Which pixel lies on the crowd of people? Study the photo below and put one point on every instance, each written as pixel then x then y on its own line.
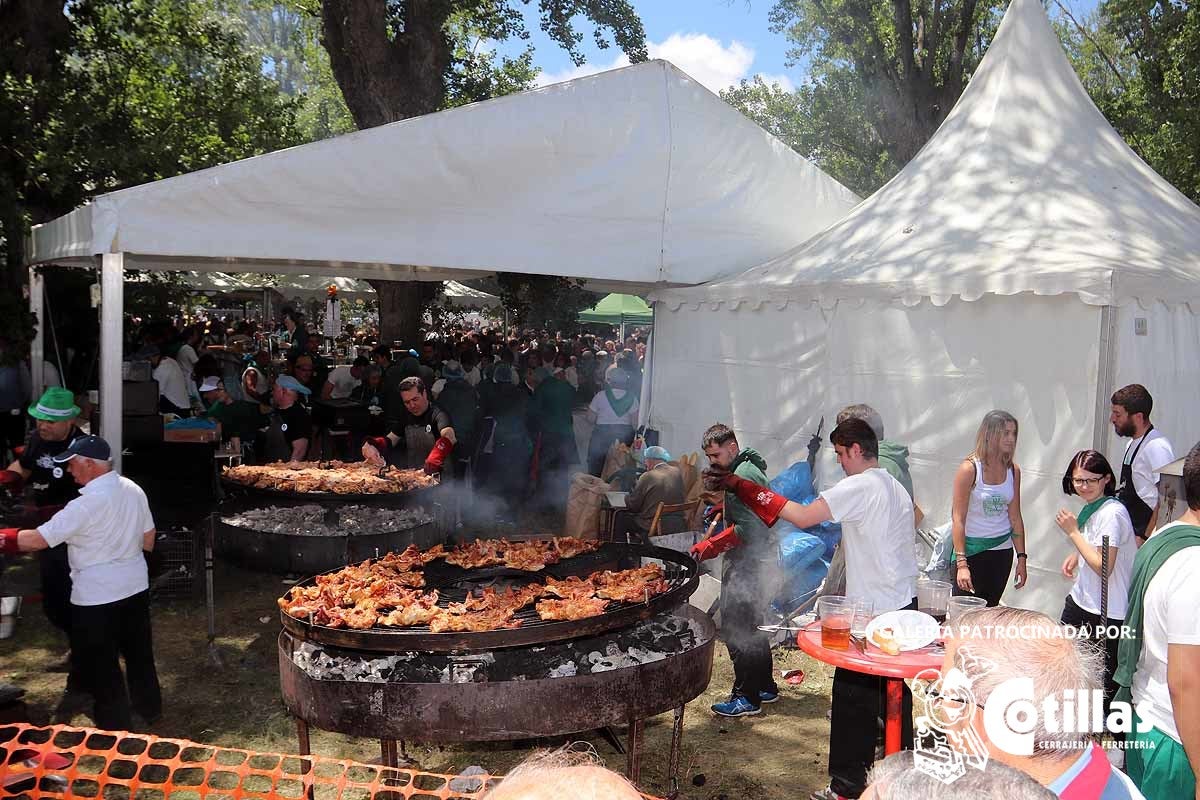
pixel 1140 582
pixel 502 405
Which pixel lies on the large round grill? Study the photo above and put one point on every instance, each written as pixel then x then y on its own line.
pixel 453 585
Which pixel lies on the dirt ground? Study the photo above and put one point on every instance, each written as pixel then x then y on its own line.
pixel 779 754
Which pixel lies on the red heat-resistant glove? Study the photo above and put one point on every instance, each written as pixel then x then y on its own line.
pixel 12 482
pixel 8 541
pixel 437 456
pixel 713 546
pixel 765 504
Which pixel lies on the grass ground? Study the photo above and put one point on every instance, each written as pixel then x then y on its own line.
pixel 779 754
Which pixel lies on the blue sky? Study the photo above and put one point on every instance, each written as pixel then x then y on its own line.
pixel 718 42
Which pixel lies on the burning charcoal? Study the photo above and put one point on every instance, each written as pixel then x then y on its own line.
pixel 311 520
pixel 566 669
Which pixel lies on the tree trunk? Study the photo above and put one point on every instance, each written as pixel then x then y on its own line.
pixel 383 80
pixel 401 308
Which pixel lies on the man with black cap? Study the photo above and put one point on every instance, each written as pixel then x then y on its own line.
pixel 289 427
pixel 55 414
pixel 107 529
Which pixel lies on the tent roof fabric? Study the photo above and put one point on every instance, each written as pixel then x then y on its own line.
pixel 1024 188
pixel 632 177
pixel 617 308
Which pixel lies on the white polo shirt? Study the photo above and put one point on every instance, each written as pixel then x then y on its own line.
pixel 103 529
pixel 879 538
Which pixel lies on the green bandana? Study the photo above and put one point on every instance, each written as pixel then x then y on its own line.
pixel 620 407
pixel 1091 508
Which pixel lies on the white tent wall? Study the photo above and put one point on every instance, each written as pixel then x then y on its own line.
pixel 1165 360
pixel 931 371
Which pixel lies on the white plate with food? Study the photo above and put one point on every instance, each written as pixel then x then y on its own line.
pixel 901 631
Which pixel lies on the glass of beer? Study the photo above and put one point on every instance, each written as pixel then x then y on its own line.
pixel 837 615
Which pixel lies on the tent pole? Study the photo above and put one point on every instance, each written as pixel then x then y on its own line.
pixel 1105 376
pixel 37 348
pixel 112 308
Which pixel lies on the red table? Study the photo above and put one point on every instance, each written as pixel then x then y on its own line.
pixel 894 669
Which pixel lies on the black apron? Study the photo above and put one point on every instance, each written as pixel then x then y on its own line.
pixel 1139 512
pixel 275 446
pixel 418 441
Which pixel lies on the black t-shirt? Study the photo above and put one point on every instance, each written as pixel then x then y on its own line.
pixel 296 423
pixel 52 484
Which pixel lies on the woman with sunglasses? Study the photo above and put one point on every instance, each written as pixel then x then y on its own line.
pixel 1091 478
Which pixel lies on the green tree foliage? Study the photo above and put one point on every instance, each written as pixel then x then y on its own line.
pixel 903 63
pixel 546 302
pixel 1158 107
pixel 128 91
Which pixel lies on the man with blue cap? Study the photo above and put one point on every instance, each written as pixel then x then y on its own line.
pixel 107 528
pixel 289 428
pixel 662 482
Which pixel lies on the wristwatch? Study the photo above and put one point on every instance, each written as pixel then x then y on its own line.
pixel 1022 555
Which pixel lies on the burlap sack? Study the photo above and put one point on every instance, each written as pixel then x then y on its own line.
pixel 619 457
pixel 692 487
pixel 583 506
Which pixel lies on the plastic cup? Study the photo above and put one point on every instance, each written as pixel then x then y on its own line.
pixel 864 612
pixel 837 616
pixel 933 597
pixel 957 606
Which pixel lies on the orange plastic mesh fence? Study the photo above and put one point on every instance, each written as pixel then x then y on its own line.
pixel 60 761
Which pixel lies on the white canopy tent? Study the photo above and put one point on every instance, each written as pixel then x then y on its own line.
pixel 1026 259
pixel 633 177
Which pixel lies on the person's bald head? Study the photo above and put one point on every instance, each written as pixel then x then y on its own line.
pixel 992 646
pixel 561 774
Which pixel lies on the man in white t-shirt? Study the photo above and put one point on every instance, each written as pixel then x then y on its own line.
pixel 1162 666
pixel 878 533
pixel 1147 452
pixel 106 528
pixel 343 380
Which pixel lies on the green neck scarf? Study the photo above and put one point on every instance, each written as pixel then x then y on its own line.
pixel 620 407
pixel 1091 508
pixel 1150 556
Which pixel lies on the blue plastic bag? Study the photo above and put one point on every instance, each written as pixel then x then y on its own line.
pixel 804 555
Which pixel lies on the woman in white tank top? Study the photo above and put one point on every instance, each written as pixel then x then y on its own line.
pixel 986 513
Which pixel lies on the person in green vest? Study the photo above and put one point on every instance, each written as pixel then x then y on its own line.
pixel 550 417
pixel 1158 662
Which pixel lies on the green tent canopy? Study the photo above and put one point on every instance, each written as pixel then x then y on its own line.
pixel 619 309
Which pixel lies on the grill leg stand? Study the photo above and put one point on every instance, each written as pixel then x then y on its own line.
pixel 673 764
pixel 210 600
pixel 387 749
pixel 633 752
pixel 302 737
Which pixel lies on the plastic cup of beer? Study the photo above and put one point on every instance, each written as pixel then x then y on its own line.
pixel 933 598
pixel 837 616
pixel 957 606
pixel 864 612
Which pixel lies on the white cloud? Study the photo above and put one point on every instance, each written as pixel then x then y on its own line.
pixel 784 81
pixel 711 62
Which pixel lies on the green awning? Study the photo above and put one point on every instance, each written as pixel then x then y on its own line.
pixel 617 309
